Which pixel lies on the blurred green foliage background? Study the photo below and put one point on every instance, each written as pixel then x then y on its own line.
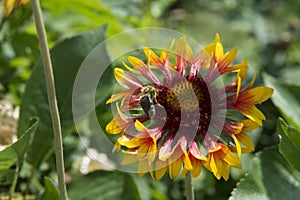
pixel 266 33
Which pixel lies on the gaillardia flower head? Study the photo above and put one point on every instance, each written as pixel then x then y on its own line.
pixel 174 115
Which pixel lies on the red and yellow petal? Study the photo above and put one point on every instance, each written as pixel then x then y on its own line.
pixel 250 111
pixel 196 167
pixel 160 169
pixel 131 69
pixel 184 55
pixel 140 127
pixel 246 141
pixel 129 159
pixel 186 161
pixel 135 62
pixel 211 164
pixel 147 151
pixel 127 80
pixel 184 50
pixel 237 145
pixel 197 159
pixel 116 97
pixel 126 140
pixel 248 125
pixel 210 48
pixel 217 38
pixel 219 52
pixel 230 158
pixel 117 147
pixel 152 57
pixel 256 95
pixel 10 5
pixel 113 127
pixel 144 167
pixel 227 59
pixel 225 172
pixel 219 162
pixel 174 168
pixel 166 150
pixel 241 68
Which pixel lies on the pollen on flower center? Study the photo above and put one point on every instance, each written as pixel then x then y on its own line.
pixel 185 96
pixel 189 96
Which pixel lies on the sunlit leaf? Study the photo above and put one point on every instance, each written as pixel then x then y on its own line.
pixel 102 185
pixel 12 157
pixel 289 145
pixel 271 177
pixel 81 15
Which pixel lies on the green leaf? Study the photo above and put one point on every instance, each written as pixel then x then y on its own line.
pixel 142 187
pixel 67 58
pixel 286 99
pixel 21 42
pixel 14 155
pixel 289 145
pixel 271 177
pixel 50 191
pixel 80 15
pixel 7 158
pixel 102 185
pixel 22 146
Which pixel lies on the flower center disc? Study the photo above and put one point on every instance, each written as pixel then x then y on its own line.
pixel 184 96
pixel 190 96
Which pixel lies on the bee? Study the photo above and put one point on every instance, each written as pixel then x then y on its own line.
pixel 148 100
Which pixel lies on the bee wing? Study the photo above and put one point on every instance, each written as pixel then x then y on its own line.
pixel 147 106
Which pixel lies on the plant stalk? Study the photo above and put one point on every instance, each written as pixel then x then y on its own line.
pixel 14 183
pixel 189 189
pixel 45 54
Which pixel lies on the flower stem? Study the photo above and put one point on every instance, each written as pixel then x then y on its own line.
pixel 14 183
pixel 36 9
pixel 189 189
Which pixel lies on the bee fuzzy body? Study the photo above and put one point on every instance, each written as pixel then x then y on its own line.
pixel 148 100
